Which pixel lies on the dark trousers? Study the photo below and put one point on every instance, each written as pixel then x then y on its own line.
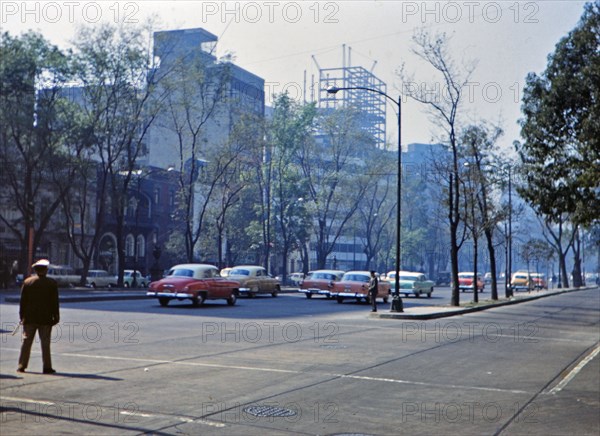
pixel 373 301
pixel 44 332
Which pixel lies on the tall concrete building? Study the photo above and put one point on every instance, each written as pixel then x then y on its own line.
pixel 210 93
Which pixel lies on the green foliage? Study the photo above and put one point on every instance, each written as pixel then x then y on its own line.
pixel 561 108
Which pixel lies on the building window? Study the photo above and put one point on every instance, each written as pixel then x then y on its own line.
pixel 141 246
pixel 129 245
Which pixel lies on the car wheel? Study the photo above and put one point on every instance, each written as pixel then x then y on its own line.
pixel 198 301
pixel 163 301
pixel 367 299
pixel 93 285
pixel 125 285
pixel 232 299
pixel 308 295
pixel 417 294
pixel 385 299
pixel 340 300
pixel 429 293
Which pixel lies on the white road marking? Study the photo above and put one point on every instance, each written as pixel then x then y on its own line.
pixel 560 386
pixel 288 371
pixel 131 414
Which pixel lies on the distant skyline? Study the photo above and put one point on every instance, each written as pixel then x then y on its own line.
pixel 278 39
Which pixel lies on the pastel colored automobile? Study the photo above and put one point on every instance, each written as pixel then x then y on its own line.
pixel 99 278
pixel 411 283
pixel 465 282
pixel 254 280
pixel 128 276
pixel 355 285
pixel 539 280
pixel 196 282
pixel 525 281
pixel 320 282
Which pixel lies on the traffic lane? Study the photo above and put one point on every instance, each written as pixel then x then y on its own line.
pixel 359 348
pixel 546 413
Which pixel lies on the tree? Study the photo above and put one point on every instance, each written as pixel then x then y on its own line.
pixel 34 122
pixel 195 88
pixel 290 127
pixel 117 94
pixel 333 166
pixel 560 152
pixel 444 109
pixel 478 143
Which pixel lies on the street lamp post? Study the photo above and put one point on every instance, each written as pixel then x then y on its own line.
pixel 397 305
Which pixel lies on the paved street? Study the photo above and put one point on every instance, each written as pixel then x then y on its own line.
pixel 290 365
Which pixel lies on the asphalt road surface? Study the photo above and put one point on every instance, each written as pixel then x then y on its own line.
pixel 293 366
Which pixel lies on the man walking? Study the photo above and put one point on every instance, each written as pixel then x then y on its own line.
pixel 373 288
pixel 38 311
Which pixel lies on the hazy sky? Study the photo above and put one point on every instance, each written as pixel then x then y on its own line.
pixel 277 39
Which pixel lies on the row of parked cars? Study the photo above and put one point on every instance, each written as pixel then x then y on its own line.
pixel 201 282
pixel 65 276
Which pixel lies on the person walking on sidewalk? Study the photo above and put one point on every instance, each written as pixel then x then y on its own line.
pixel 38 311
pixel 373 289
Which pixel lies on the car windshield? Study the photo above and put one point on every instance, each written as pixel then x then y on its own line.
pixel 239 272
pixel 324 276
pixel 356 278
pixel 466 275
pixel 181 272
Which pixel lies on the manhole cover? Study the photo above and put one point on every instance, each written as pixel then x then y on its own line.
pixel 269 411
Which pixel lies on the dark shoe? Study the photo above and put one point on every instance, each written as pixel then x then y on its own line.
pixel 49 371
pixel 20 369
pixel 374 311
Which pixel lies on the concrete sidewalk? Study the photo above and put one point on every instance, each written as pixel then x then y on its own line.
pixel 433 312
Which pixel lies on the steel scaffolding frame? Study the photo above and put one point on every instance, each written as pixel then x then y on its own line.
pixel 371 105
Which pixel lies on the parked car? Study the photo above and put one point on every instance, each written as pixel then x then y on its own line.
pixel 443 278
pixel 64 275
pixel 411 283
pixel 465 281
pixel 140 280
pixel 99 278
pixel 320 282
pixel 521 281
pixel 539 280
pixel 355 284
pixel 196 282
pixel 254 280
pixel 225 272
pixel 487 278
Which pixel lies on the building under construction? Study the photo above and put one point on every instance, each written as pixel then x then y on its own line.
pixel 371 105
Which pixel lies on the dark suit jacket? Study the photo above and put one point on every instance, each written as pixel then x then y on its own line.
pixel 39 301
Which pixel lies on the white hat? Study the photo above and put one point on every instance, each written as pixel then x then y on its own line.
pixel 41 262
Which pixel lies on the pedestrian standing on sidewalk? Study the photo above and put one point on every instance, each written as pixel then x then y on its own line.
pixel 373 288
pixel 38 311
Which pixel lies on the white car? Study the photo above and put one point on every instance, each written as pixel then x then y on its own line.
pixel 140 280
pixel 99 278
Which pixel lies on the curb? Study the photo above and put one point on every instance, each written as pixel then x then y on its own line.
pixel 106 296
pixel 452 311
